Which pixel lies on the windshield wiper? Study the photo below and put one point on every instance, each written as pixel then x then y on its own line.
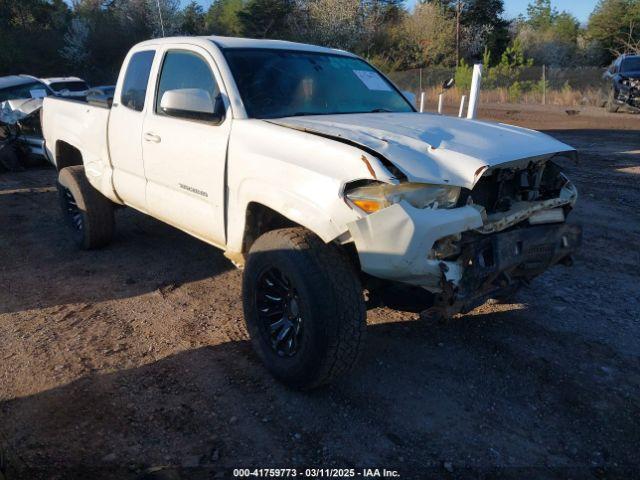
pixel 380 110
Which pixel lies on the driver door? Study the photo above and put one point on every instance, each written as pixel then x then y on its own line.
pixel 185 154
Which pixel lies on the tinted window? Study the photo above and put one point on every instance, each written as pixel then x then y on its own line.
pixel 134 88
pixel 630 64
pixel 72 86
pixel 182 69
pixel 281 83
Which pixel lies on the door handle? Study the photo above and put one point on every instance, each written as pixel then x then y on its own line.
pixel 150 137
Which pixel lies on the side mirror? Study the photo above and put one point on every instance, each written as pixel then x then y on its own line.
pixel 447 84
pixel 193 103
pixel 410 96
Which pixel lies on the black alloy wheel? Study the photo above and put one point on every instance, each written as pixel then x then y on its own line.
pixel 281 320
pixel 71 209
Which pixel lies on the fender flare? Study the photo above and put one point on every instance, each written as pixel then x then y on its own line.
pixel 300 210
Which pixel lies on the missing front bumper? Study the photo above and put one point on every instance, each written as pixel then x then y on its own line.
pixel 494 261
pixel 394 244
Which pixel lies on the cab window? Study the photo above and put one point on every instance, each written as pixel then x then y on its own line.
pixel 134 89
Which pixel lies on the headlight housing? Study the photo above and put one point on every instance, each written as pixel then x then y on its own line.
pixel 376 196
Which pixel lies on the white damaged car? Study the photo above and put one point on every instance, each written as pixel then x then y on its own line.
pixel 315 173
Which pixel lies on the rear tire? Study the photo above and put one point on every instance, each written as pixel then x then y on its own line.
pixel 88 213
pixel 304 307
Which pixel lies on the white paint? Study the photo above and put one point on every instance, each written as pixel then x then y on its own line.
pixel 440 103
pixel 202 177
pixel 462 102
pixel 474 96
pixel 421 102
pixel 393 243
pixel 433 148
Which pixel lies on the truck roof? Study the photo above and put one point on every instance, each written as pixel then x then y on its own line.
pixel 236 42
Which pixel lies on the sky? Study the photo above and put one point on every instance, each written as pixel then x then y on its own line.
pixel 579 8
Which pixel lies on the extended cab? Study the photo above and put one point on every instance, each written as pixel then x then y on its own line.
pixel 315 173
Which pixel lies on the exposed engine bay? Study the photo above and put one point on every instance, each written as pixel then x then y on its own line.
pixel 515 230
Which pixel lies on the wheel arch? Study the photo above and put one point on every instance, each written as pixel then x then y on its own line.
pixel 261 207
pixel 67 155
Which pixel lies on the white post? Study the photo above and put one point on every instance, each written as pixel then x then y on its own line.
pixel 462 102
pixel 421 102
pixel 440 103
pixel 474 97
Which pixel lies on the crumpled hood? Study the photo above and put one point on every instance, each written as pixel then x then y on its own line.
pixel 12 111
pixel 432 148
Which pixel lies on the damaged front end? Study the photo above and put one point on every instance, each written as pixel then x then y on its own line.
pixel 629 92
pixel 507 229
pixel 21 132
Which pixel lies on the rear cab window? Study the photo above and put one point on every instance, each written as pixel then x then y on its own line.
pixel 134 88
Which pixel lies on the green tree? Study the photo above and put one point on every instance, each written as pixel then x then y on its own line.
pixel 193 19
pixel 432 30
pixel 489 13
pixel 540 15
pixel 222 18
pixel 31 35
pixel 548 36
pixel 512 63
pixel 566 28
pixel 614 23
pixel 267 18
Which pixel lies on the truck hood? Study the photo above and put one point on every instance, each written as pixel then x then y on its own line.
pixel 432 148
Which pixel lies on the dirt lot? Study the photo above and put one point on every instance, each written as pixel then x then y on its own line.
pixel 136 356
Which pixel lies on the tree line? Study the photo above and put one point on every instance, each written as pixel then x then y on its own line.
pixel 89 38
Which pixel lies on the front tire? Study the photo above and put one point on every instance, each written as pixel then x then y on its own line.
pixel 87 212
pixel 304 307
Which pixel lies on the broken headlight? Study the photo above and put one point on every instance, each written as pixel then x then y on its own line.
pixel 376 196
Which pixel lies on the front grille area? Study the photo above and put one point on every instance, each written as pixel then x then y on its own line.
pixel 498 190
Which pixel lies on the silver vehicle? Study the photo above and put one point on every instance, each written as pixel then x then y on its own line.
pixel 67 86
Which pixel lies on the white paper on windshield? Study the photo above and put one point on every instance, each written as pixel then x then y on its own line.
pixel 372 80
pixel 38 93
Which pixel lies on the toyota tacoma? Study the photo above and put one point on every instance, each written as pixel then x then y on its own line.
pixel 318 177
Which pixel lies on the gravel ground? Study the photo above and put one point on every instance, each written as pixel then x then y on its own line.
pixel 133 361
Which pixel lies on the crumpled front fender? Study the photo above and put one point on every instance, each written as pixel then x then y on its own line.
pixel 394 242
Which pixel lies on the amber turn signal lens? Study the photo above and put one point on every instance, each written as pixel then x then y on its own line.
pixel 368 206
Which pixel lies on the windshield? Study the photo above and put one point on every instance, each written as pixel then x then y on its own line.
pixel 73 86
pixel 631 64
pixel 26 90
pixel 284 83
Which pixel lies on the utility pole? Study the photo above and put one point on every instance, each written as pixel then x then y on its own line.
pixel 459 7
pixel 160 15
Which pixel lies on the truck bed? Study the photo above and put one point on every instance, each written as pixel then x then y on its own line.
pixel 76 132
pixel 78 124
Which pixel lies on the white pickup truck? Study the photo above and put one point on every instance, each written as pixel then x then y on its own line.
pixel 315 173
